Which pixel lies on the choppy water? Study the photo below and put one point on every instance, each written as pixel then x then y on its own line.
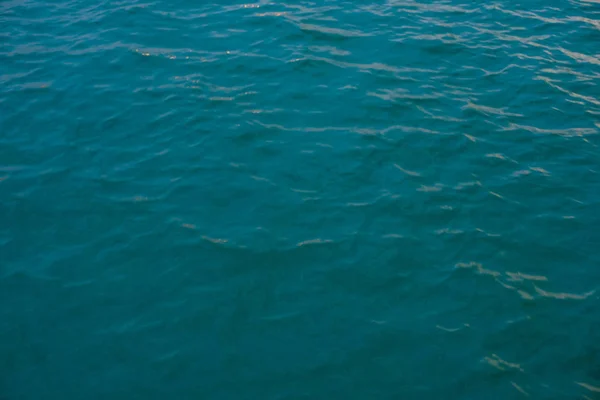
pixel 309 200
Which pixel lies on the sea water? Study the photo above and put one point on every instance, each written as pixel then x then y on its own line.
pixel 299 200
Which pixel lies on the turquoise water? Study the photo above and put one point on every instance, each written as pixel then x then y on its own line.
pixel 300 200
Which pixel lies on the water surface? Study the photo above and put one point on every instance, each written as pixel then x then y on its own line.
pixel 299 200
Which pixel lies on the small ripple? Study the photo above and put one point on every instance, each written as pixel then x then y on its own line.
pixel 467 185
pixel 497 362
pixel 416 7
pixel 490 110
pixel 519 277
pixel 563 296
pixel 262 179
pixel 589 387
pixel 304 191
pixel 448 231
pixel 488 233
pixel 436 188
pixel 313 242
pixel 479 268
pixel 214 240
pixel 589 99
pixel 452 330
pixel 526 14
pixel 562 132
pixel 519 389
pixel 402 94
pixel 439 117
pixel 407 172
pixel 332 31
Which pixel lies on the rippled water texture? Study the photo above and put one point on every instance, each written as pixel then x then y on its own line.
pixel 309 200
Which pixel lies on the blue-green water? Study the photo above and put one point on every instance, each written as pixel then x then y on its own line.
pixel 299 200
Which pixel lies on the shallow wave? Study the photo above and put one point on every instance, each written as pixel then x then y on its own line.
pixel 271 199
